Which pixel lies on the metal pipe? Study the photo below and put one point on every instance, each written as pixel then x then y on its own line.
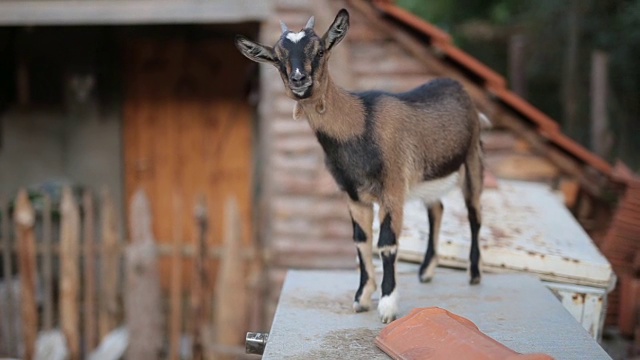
pixel 256 342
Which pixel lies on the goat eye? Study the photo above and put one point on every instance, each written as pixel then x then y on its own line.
pixel 320 52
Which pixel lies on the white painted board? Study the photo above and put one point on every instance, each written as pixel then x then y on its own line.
pixel 525 228
pixel 586 304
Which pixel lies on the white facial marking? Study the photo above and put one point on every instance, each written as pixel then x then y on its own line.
pixel 297 72
pixel 295 37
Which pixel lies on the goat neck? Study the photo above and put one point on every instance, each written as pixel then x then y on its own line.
pixel 335 112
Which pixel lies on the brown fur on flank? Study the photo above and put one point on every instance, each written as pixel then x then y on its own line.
pixel 383 147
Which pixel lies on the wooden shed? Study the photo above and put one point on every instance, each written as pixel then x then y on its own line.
pixel 129 95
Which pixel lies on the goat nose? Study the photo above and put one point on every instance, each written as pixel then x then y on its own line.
pixel 298 76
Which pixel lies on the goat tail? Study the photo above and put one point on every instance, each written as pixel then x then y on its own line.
pixel 485 123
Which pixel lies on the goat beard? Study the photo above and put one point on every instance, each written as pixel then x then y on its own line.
pixel 298 112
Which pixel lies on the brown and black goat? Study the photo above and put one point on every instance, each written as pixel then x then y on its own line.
pixel 383 147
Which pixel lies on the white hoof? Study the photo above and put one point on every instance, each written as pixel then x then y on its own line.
pixel 388 307
pixel 428 274
pixel 364 303
pixel 360 307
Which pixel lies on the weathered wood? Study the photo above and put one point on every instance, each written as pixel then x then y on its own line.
pixel 70 272
pixel 211 154
pixel 110 267
pixel 570 190
pixel 25 218
pixel 522 167
pixel 175 309
pixel 47 263
pixel 90 314
pixel 199 308
pixel 93 12
pixel 230 326
pixel 8 342
pixel 143 302
pixel 540 147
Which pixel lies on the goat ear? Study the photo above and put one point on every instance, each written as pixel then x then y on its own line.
pixel 255 51
pixel 337 30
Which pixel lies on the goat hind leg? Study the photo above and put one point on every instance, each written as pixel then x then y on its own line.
pixel 430 262
pixel 472 190
pixel 362 220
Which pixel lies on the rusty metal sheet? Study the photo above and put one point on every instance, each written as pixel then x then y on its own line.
pixel 525 227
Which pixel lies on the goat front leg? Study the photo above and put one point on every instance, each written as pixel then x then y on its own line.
pixel 362 220
pixel 390 226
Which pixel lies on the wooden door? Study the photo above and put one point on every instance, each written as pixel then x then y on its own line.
pixel 188 131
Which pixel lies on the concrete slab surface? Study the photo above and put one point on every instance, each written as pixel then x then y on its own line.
pixel 314 319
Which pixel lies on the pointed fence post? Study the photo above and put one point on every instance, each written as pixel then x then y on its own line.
pixel 110 267
pixel 9 341
pixel 89 274
pixel 143 302
pixel 230 325
pixel 25 218
pixel 70 272
pixel 47 263
pixel 175 321
pixel 199 292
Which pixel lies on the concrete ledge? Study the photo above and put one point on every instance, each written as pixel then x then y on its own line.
pixel 314 319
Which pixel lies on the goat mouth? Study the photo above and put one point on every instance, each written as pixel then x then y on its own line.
pixel 301 91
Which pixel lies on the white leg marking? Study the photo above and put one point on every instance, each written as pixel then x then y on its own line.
pixel 365 299
pixel 430 271
pixel 388 307
pixel 370 287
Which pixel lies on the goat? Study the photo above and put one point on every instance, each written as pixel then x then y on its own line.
pixel 384 148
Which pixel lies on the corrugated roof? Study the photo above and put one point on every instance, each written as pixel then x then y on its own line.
pixel 495 84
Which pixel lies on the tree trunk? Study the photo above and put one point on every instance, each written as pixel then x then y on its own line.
pixel 570 71
pixel 517 65
pixel 600 136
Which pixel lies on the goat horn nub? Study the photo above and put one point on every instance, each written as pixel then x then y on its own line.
pixel 283 26
pixel 310 23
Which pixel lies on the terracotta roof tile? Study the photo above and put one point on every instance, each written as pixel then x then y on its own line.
pixel 622 242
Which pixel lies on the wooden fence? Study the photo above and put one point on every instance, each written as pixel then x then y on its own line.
pixel 67 270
